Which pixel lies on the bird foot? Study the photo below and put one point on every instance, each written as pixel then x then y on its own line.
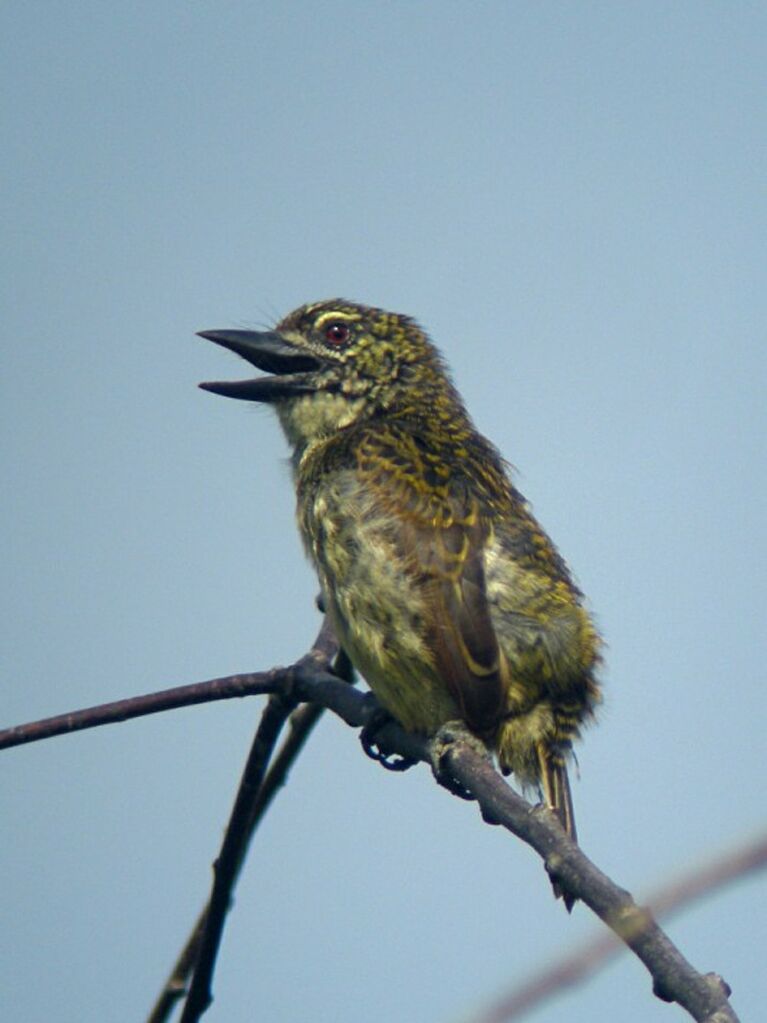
pixel 441 746
pixel 371 742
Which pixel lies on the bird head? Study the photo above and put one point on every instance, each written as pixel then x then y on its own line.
pixel 333 363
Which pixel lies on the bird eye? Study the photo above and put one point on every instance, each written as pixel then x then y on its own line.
pixel 337 334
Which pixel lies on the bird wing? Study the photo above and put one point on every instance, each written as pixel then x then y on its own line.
pixel 441 536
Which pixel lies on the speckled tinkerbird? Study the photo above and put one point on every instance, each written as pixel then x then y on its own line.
pixel 443 589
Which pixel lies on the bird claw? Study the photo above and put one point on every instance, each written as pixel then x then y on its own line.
pixel 441 745
pixel 379 719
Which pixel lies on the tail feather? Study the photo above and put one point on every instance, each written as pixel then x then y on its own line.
pixel 556 792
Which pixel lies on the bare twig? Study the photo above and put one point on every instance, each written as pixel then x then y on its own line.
pixel 175 986
pixel 301 681
pixel 301 723
pixel 705 997
pixel 226 688
pixel 578 966
pixel 239 830
pixel 226 867
pixel 305 676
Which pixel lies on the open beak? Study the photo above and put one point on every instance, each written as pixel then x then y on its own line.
pixel 292 368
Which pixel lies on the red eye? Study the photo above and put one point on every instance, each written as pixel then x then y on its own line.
pixel 337 334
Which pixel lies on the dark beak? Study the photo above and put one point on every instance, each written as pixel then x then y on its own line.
pixel 267 350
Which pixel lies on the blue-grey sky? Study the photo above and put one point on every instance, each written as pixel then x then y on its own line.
pixel 571 198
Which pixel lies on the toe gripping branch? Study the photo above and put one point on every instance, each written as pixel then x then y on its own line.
pixel 444 742
pixel 372 744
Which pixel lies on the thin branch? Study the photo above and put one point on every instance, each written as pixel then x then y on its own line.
pixel 301 724
pixel 226 688
pixel 306 675
pixel 705 997
pixel 240 827
pixel 302 681
pixel 175 986
pixel 578 966
pixel 232 851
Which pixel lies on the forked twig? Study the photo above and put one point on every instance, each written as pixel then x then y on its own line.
pixel 705 997
pixel 301 723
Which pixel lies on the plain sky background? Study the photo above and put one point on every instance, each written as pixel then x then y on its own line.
pixel 572 199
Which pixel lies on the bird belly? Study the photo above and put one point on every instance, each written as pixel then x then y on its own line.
pixel 398 674
pixel 377 609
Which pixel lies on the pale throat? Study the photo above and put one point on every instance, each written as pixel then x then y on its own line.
pixel 313 417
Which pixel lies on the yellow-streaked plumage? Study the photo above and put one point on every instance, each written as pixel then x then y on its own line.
pixel 445 592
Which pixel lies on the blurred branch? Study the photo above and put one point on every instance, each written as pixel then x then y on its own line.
pixel 578 966
pixel 705 997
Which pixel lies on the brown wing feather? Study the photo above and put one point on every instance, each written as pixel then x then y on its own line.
pixel 442 540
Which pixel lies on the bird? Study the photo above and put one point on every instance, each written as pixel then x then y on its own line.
pixel 443 590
